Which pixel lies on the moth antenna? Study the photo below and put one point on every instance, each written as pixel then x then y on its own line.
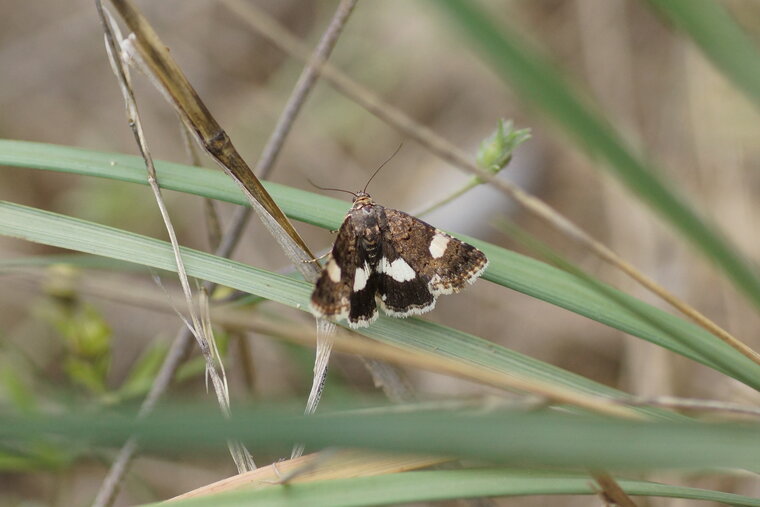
pixel 381 166
pixel 334 189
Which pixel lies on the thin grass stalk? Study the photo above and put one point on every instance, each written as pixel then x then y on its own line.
pixel 181 345
pixel 302 89
pixel 202 332
pixel 722 408
pixel 178 353
pixel 107 491
pixel 213 222
pixel 171 81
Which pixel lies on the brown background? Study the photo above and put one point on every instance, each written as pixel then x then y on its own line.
pixel 654 85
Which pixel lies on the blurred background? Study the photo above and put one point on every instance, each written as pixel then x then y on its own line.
pixel 653 84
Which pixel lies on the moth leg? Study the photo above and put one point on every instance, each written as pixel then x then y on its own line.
pixel 317 259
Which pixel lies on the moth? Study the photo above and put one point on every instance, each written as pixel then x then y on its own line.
pixel 384 257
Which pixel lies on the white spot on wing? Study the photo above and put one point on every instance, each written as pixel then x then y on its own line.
pixel 360 277
pixel 438 245
pixel 399 270
pixel 333 271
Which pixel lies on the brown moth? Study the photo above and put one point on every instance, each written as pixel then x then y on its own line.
pixel 384 257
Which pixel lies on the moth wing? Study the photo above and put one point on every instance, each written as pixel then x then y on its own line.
pixel 401 290
pixel 332 293
pixel 347 286
pixel 363 308
pixel 447 264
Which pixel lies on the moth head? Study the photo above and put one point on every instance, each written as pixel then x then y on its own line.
pixel 362 199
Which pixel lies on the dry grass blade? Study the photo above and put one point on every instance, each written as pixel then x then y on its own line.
pixel 723 408
pixel 213 222
pixel 318 467
pixel 351 343
pixel 280 37
pixel 394 383
pixel 611 492
pixel 214 365
pixel 199 328
pixel 159 64
pixel 325 333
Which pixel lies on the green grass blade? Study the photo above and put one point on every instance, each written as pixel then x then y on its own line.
pixel 721 39
pixel 76 260
pixel 65 232
pixel 512 438
pixel 539 83
pixel 506 268
pixel 394 489
pixel 302 206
